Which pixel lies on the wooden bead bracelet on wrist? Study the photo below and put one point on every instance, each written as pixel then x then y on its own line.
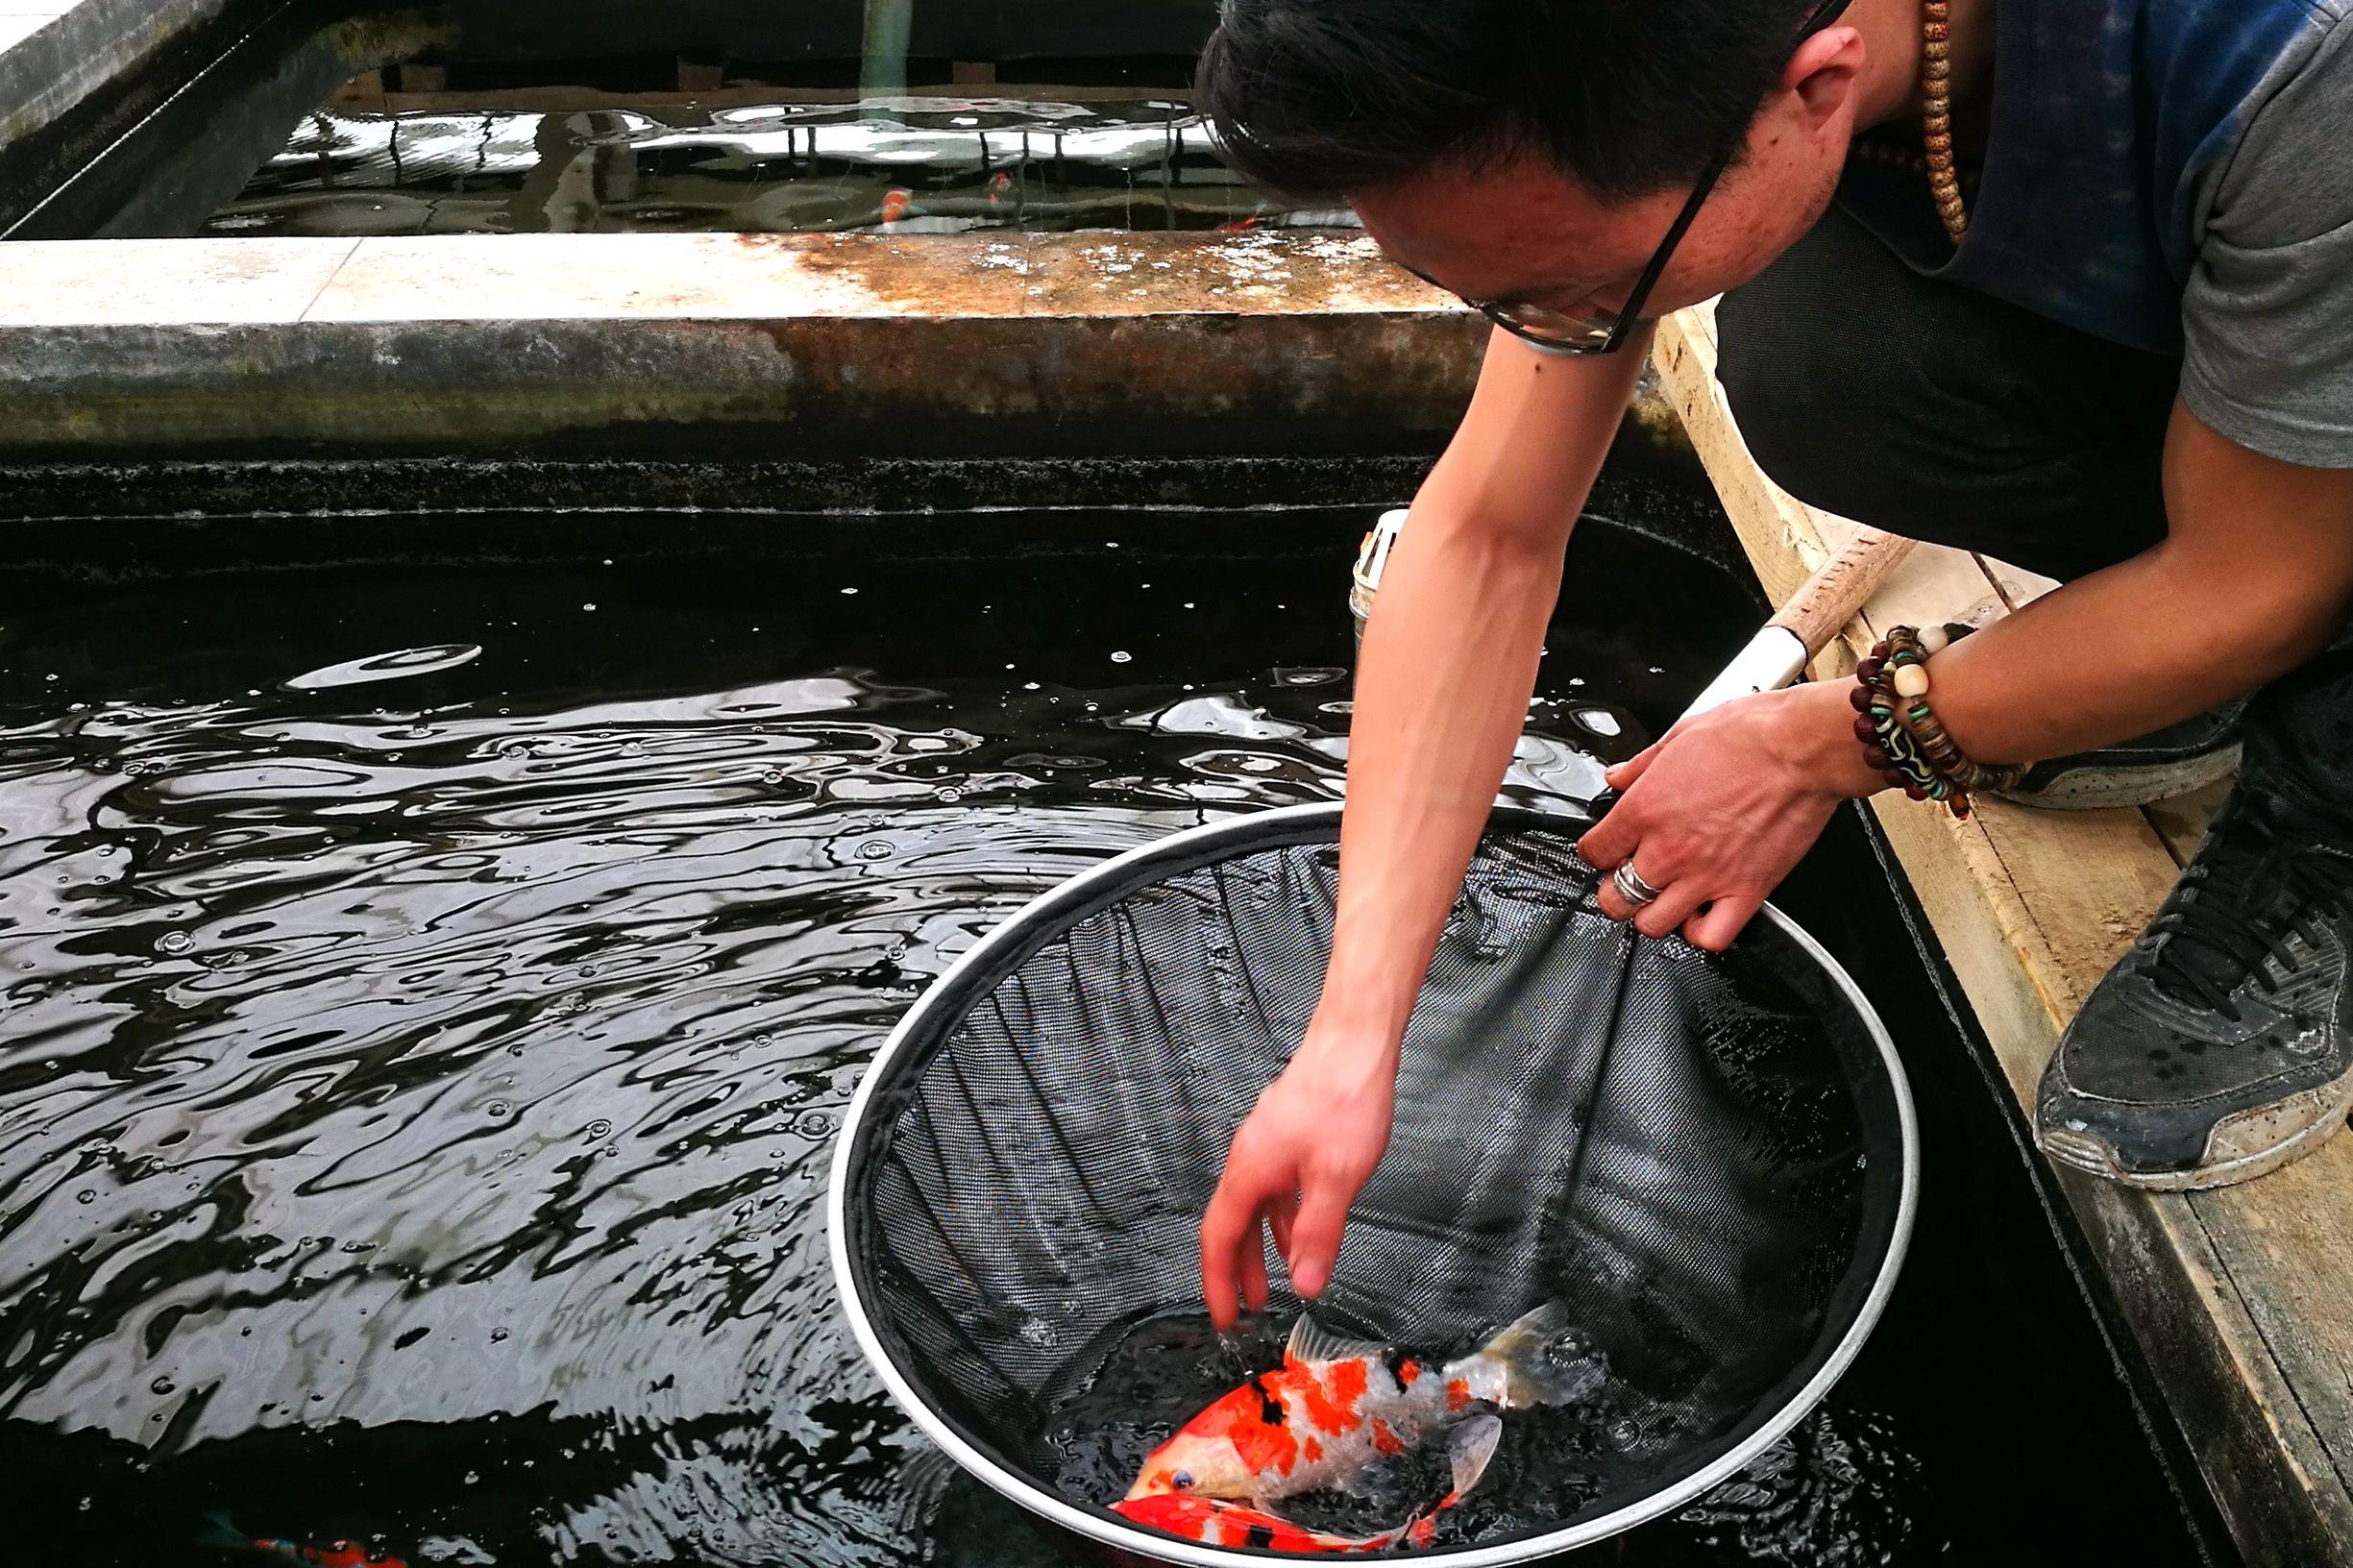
pixel 1902 739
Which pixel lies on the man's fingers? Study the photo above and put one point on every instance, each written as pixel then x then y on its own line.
pixel 1611 839
pixel 1714 927
pixel 1281 1211
pixel 1254 1271
pixel 1232 1218
pixel 1616 905
pixel 1675 905
pixel 1623 775
pixel 1316 1234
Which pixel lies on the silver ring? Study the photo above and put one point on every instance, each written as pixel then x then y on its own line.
pixel 1630 886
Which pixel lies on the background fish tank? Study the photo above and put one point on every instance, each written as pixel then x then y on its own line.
pixel 483 119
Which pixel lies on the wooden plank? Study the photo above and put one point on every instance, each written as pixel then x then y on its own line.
pixel 2181 822
pixel 2242 1299
pixel 2018 586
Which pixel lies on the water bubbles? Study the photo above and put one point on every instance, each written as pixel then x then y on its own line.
pixel 496 1334
pixel 599 1128
pixel 875 850
pixel 174 942
pixel 773 775
pixel 163 1386
pixel 846 592
pixel 589 608
pixel 816 1125
pixel 632 748
pixel 1122 658
pixel 949 794
pixel 88 1194
pixel 498 1109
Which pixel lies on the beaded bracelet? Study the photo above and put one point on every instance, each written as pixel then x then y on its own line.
pixel 1901 738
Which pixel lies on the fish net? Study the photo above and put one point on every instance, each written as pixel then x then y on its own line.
pixel 1707 1159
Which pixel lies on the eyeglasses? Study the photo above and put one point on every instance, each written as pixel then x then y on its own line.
pixel 1603 331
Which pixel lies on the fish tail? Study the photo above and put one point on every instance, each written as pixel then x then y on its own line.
pixel 1471 1445
pixel 1538 1359
pixel 214 1533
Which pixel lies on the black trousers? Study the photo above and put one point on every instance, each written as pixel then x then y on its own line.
pixel 1949 416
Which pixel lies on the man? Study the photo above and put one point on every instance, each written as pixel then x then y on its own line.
pixel 2070 282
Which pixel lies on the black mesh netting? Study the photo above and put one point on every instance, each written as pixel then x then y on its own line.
pixel 1702 1155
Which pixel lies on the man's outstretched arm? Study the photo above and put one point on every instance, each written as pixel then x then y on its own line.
pixel 1443 688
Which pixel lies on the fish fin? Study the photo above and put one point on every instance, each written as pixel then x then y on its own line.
pixel 1470 1446
pixel 1538 1360
pixel 1312 1341
pixel 215 1532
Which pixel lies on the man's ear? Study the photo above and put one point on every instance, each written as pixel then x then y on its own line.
pixel 1821 73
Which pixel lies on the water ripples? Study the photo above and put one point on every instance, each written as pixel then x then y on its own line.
pixel 459 1064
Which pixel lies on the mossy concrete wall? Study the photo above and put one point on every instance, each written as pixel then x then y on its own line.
pixel 786 346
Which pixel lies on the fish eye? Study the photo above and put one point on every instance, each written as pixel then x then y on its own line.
pixel 1182 1479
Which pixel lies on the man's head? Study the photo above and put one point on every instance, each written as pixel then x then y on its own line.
pixel 1539 150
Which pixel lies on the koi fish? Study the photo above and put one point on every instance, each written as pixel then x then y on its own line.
pixel 221 1535
pixel 1338 1405
pixel 899 202
pixel 1240 225
pixel 1215 1522
pixel 999 184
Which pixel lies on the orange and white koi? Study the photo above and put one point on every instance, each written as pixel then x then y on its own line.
pixel 898 204
pixel 1215 1522
pixel 1338 1405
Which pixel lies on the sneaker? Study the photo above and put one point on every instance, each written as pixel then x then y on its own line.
pixel 2157 767
pixel 2221 1046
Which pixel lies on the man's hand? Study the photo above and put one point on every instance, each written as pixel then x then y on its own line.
pixel 1296 1164
pixel 1719 810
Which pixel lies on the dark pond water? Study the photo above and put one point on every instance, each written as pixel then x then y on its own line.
pixel 418 1071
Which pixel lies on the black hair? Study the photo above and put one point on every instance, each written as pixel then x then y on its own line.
pixel 1628 97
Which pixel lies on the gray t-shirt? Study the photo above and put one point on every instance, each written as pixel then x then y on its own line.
pixel 2268 312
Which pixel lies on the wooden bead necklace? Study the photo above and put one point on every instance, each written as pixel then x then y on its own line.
pixel 1936 115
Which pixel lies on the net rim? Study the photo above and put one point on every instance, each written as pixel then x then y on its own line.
pixel 1107 1529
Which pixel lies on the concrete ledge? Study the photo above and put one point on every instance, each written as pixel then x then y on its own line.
pixel 78 48
pixel 1276 342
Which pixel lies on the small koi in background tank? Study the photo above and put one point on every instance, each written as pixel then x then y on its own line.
pixel 1335 1409
pixel 218 1534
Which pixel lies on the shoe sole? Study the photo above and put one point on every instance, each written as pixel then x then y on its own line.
pixel 2086 1152
pixel 2091 788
